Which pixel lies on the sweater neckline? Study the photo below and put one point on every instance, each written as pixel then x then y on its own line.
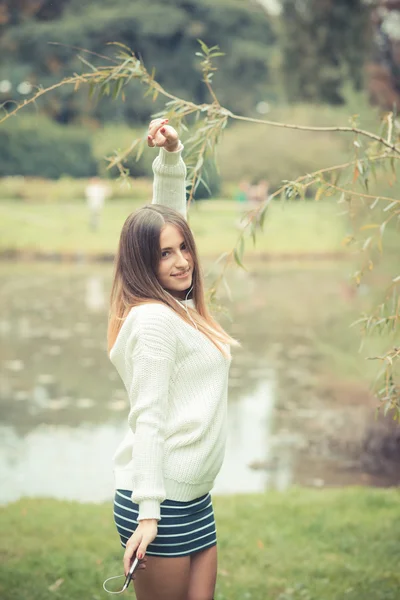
pixel 189 302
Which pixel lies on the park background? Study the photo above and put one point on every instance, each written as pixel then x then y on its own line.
pixel 307 501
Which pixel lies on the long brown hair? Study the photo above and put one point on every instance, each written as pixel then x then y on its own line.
pixel 135 274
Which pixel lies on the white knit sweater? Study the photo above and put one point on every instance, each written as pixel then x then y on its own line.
pixel 177 384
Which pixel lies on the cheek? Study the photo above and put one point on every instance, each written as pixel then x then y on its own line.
pixel 163 269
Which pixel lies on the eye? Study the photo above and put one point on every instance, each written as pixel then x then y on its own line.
pixel 183 246
pixel 164 254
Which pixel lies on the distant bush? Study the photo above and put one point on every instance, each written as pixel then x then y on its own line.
pixel 251 151
pixel 36 146
pixel 111 138
pixel 68 189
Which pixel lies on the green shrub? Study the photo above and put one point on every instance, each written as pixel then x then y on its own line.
pixel 36 146
pixel 254 151
pixel 111 138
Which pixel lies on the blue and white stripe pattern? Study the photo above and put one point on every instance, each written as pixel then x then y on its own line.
pixel 184 527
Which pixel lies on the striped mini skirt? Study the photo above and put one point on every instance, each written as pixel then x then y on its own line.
pixel 184 527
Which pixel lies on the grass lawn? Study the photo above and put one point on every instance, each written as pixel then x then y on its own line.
pixel 297 227
pixel 302 545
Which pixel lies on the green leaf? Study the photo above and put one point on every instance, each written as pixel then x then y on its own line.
pixel 124 46
pixel 199 163
pixel 367 243
pixel 227 288
pixel 241 248
pixel 204 47
pixel 369 226
pixel 87 63
pixel 375 202
pixel 263 214
pixel 319 193
pixel 237 259
pixel 118 87
pixel 92 89
pixel 391 205
pixel 140 150
pixel 253 229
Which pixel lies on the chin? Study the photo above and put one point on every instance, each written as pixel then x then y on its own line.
pixel 181 286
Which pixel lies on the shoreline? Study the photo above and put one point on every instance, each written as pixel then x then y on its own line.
pixel 21 255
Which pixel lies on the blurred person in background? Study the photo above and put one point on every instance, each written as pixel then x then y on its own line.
pixel 258 193
pixel 96 193
pixel 174 360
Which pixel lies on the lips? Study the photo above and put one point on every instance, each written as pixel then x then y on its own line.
pixel 181 275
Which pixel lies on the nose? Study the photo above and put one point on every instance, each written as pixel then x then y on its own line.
pixel 181 261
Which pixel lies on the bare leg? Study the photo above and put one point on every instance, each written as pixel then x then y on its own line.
pixel 203 574
pixel 163 579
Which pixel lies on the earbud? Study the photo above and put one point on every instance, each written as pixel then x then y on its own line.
pixel 185 307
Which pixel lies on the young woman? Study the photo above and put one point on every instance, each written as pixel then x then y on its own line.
pixel 173 358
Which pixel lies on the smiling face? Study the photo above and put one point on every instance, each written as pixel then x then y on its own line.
pixel 175 269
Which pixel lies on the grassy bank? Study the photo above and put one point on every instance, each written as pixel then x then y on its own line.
pixel 304 545
pixel 294 227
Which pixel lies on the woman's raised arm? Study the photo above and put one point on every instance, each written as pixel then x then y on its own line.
pixel 169 185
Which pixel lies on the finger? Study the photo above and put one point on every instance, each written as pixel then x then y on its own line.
pixel 154 127
pixel 129 554
pixel 150 141
pixel 154 133
pixel 169 132
pixel 141 551
pixel 156 121
pixel 166 135
pixel 127 562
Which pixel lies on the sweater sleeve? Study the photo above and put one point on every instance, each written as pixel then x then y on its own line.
pixel 152 350
pixel 169 185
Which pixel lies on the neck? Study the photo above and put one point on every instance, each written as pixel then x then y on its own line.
pixel 184 295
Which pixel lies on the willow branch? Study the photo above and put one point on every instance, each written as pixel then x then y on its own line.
pixel 356 130
pixel 68 81
pixel 360 194
pixel 215 107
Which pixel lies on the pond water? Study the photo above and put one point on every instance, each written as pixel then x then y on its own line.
pixel 63 407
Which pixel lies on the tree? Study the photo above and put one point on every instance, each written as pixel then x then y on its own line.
pixel 161 32
pixel 384 66
pixel 324 45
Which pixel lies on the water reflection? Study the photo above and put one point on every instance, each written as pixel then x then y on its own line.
pixel 63 407
pixel 58 462
pixel 249 430
pixel 95 296
pixel 75 464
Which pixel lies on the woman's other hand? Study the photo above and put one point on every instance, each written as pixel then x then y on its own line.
pixel 163 135
pixel 145 533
